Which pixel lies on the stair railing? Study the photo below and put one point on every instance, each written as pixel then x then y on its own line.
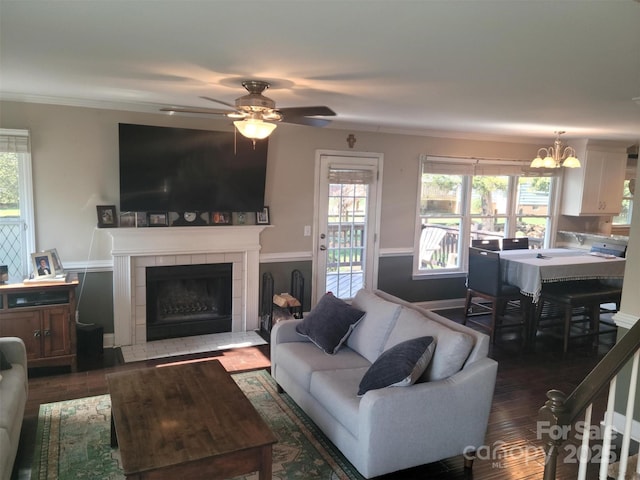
pixel 560 411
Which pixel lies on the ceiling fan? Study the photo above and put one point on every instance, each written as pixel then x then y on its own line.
pixel 254 112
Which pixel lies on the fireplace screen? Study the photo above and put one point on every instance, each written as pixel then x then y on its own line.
pixel 185 300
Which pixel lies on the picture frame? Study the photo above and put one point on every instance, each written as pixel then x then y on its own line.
pixel 127 219
pixel 221 218
pixel 57 263
pixel 262 217
pixel 107 216
pixel 43 265
pixel 142 219
pixel 158 219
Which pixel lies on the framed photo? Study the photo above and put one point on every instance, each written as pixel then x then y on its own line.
pixel 107 216
pixel 221 218
pixel 43 265
pixel 158 219
pixel 142 220
pixel 57 264
pixel 262 217
pixel 127 219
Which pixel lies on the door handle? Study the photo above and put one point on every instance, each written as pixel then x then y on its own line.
pixel 323 248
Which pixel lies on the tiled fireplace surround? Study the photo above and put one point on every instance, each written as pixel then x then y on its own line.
pixel 135 249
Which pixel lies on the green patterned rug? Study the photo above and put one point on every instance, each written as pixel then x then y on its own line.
pixel 73 438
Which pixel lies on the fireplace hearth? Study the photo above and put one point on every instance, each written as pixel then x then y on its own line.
pixel 187 300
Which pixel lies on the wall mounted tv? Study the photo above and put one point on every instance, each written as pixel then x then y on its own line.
pixel 177 169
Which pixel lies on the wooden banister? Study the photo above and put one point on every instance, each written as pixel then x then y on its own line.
pixel 560 410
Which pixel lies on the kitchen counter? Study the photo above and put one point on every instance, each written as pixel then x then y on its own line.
pixel 585 240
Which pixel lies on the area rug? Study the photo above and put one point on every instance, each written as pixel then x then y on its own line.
pixel 73 438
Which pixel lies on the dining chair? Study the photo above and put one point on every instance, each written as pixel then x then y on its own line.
pixel 579 302
pixel 515 243
pixel 484 280
pixel 492 244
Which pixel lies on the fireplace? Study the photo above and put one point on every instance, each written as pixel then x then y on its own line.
pixel 187 300
pixel 135 250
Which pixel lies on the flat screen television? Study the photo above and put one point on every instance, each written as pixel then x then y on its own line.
pixel 168 169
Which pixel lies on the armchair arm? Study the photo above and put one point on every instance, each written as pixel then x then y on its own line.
pixel 14 350
pixel 428 421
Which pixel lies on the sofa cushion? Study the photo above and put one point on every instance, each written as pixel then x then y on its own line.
pixel 400 366
pixel 452 347
pixel 301 359
pixel 329 323
pixel 370 335
pixel 336 391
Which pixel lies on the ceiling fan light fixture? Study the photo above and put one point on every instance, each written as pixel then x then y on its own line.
pixel 254 129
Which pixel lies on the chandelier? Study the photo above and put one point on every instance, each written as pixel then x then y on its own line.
pixel 556 156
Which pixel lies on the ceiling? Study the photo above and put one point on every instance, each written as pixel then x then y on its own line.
pixel 480 68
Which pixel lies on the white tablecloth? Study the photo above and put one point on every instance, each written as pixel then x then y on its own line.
pixel 524 269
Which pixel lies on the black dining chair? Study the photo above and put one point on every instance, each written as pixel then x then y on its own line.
pixel 579 304
pixel 484 280
pixel 516 243
pixel 492 244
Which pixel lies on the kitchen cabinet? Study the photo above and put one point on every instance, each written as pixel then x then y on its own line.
pixel 43 316
pixel 595 188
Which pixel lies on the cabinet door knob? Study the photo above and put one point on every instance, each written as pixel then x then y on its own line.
pixel 47 333
pixel 36 333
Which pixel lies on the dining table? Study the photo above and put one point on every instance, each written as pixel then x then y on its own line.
pixel 530 270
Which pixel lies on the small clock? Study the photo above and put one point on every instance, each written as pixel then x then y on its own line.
pixel 190 217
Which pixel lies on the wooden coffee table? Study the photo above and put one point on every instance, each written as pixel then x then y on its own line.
pixel 187 421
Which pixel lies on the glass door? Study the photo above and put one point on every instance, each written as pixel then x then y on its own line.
pixel 347 217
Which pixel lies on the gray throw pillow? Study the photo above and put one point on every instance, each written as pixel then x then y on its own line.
pixel 400 366
pixel 329 323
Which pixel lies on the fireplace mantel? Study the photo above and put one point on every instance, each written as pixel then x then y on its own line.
pixel 135 248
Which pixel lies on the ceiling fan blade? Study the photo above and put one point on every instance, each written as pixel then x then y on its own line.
pixel 220 101
pixel 308 121
pixel 307 112
pixel 210 111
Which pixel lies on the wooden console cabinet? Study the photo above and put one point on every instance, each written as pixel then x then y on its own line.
pixel 42 314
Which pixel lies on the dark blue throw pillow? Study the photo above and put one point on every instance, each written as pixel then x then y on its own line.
pixel 329 323
pixel 400 366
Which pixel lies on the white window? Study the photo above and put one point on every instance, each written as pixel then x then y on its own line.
pixel 624 218
pixel 17 239
pixel 460 200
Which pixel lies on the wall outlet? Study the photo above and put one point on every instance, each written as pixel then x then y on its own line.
pixel 307 230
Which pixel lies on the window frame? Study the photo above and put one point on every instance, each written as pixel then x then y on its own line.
pixel 468 168
pixel 25 187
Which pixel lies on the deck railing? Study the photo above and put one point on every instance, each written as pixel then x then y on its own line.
pixel 561 411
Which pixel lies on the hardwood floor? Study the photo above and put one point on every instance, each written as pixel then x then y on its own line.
pixel 513 449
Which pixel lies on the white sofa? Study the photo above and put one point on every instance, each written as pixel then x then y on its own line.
pixel 442 415
pixel 13 398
